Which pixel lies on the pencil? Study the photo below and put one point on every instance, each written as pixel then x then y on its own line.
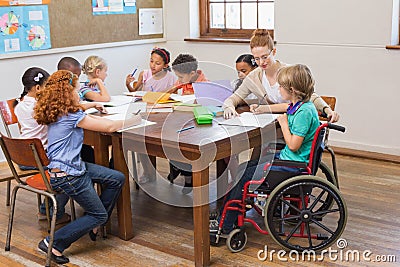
pixel 134 71
pixel 184 129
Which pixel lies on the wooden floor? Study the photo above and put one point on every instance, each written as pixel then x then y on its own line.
pixel 164 237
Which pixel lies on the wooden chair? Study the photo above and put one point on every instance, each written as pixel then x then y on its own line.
pixel 331 101
pixel 30 152
pixel 8 118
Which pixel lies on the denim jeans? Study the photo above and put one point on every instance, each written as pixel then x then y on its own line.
pixel 97 208
pixel 62 199
pixel 253 171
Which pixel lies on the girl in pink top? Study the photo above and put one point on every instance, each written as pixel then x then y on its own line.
pixel 156 79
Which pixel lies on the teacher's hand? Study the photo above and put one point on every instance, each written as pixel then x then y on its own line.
pixel 230 112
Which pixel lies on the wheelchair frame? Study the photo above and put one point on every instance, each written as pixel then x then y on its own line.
pixel 289 201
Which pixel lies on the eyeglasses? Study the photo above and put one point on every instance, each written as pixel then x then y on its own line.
pixel 264 57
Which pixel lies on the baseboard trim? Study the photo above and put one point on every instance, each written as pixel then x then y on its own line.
pixel 366 154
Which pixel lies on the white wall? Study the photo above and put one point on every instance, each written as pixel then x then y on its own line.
pixel 342 41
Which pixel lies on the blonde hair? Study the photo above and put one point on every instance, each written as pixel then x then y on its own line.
pixel 93 63
pixel 261 38
pixel 57 98
pixel 297 79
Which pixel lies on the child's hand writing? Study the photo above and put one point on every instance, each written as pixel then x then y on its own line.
pixel 257 109
pixel 134 120
pixel 100 108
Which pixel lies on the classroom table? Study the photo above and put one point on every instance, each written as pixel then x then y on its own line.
pixel 196 144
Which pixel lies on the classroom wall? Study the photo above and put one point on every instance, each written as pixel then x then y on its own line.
pixel 343 42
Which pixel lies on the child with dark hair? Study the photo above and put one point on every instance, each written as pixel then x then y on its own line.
pixel 71 64
pixel 158 78
pixel 185 68
pixel 33 81
pixel 245 63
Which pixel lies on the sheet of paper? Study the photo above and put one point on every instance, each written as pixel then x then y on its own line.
pixel 143 124
pixel 150 21
pixel 250 119
pixel 117 100
pixel 189 99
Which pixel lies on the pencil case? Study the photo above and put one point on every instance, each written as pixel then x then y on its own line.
pixel 202 115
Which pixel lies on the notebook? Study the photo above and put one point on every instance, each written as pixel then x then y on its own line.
pixel 210 94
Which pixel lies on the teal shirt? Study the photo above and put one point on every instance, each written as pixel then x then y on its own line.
pixel 304 122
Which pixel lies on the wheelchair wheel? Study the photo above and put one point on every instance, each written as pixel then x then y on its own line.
pixel 326 202
pixel 236 240
pixel 309 231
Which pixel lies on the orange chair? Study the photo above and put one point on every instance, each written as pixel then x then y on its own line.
pixel 30 152
pixel 8 118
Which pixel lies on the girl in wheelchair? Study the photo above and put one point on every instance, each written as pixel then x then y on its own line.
pixel 298 126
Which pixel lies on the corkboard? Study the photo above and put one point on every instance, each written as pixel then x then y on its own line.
pixel 72 24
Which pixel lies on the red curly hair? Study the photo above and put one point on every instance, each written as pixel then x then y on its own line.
pixel 57 98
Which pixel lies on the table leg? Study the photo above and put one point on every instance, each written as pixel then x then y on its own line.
pixel 125 227
pixel 201 218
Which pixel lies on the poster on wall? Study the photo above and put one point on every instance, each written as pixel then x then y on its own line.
pixel 107 7
pixel 24 2
pixel 24 29
pixel 150 21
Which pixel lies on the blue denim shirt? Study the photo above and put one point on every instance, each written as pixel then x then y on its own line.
pixel 65 140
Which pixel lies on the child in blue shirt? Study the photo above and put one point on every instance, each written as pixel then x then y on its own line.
pixel 298 126
pixel 95 69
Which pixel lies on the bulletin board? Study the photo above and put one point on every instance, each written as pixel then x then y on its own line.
pixel 72 24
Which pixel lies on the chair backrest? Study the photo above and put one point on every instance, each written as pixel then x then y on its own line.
pixel 7 114
pixel 28 152
pixel 331 101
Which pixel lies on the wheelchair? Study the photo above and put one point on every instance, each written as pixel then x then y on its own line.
pixel 301 210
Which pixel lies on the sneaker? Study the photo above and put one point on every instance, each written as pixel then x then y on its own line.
pixel 44 246
pixel 66 218
pixel 214 226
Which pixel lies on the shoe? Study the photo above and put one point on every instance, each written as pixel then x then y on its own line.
pixel 66 218
pixel 44 246
pixel 93 236
pixel 187 188
pixel 173 173
pixel 143 179
pixel 214 226
pixel 213 215
pixel 41 216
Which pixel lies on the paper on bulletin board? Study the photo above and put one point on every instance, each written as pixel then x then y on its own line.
pixel 150 21
pixel 23 2
pixel 107 7
pixel 24 28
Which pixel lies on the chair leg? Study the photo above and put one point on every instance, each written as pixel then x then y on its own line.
pixel 134 170
pixel 39 201
pixel 52 229
pixel 11 218
pixel 46 201
pixel 8 192
pixel 72 205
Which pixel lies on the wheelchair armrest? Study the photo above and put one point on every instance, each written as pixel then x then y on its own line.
pixel 289 163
